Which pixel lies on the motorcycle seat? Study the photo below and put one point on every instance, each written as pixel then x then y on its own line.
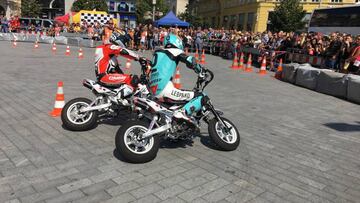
pixel 168 104
pixel 110 86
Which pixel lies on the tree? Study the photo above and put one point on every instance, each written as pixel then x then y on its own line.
pixel 144 6
pixel 288 16
pixel 188 16
pixel 99 5
pixel 30 8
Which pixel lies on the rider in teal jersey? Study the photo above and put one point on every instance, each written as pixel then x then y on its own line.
pixel 164 65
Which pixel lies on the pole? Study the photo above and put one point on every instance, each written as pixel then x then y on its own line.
pixel 320 1
pixel 154 3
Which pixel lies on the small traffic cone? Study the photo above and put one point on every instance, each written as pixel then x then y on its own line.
pixel 241 63
pixel 278 74
pixel 67 52
pixel 235 64
pixel 54 48
pixel 202 61
pixel 249 65
pixel 36 45
pixel 196 56
pixel 262 70
pixel 81 54
pixel 14 43
pixel 59 101
pixel 177 81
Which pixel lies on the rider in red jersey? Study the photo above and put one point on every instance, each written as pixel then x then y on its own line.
pixel 107 68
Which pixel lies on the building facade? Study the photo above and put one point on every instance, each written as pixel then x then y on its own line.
pixel 252 15
pixel 10 7
pixel 124 11
pixel 177 6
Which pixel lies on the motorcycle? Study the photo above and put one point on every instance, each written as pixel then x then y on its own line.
pixel 81 114
pixel 138 140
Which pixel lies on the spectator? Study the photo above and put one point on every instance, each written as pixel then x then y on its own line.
pixel 4 25
pixel 354 59
pixel 199 39
pixel 332 52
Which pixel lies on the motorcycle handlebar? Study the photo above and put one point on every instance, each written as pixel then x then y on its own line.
pixel 203 82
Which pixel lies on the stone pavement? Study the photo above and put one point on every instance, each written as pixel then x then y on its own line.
pixel 296 145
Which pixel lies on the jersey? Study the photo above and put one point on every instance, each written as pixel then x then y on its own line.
pixel 164 65
pixel 107 68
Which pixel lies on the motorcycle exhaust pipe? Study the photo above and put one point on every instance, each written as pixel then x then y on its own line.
pixel 156 131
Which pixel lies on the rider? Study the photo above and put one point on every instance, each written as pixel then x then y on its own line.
pixel 163 67
pixel 107 68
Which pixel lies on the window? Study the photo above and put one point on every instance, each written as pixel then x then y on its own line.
pixel 314 0
pixel 339 17
pixel 336 1
pixel 250 21
pixel 225 21
pixel 241 21
pixel 232 21
pixel 47 23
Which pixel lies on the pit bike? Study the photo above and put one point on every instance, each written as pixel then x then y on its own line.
pixel 81 114
pixel 138 140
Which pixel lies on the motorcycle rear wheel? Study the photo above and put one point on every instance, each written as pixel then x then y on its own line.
pixel 73 120
pixel 132 149
pixel 226 141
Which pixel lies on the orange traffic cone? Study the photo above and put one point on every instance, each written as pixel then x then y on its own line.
pixel 81 54
pixel 235 64
pixel 262 70
pixel 54 48
pixel 241 63
pixel 67 52
pixel 202 61
pixel 36 45
pixel 177 81
pixel 196 56
pixel 59 101
pixel 278 74
pixel 14 43
pixel 248 65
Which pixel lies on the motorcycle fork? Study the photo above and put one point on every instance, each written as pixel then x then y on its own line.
pixel 217 116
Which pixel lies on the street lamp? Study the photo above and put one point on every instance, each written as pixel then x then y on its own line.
pixel 153 13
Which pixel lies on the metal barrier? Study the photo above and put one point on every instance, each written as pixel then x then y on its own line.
pixel 25 37
pixel 299 56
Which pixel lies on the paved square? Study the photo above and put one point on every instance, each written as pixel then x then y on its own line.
pixel 296 145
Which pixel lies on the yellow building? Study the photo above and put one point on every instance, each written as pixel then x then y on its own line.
pixel 252 15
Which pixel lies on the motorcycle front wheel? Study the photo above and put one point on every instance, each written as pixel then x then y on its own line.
pixel 225 140
pixel 74 120
pixel 130 145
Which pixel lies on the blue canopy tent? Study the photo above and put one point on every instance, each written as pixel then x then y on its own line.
pixel 171 20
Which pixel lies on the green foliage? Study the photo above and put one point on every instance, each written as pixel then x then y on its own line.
pixel 189 17
pixel 30 8
pixel 143 6
pixel 288 16
pixel 99 5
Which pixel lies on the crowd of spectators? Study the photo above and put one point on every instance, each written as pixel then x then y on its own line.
pixel 340 50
